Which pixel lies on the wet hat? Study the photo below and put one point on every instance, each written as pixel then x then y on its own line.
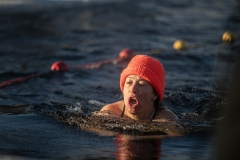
pixel 148 68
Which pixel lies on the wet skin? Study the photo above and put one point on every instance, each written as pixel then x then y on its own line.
pixel 139 98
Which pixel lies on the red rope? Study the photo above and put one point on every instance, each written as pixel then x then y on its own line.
pixel 125 54
pixel 20 80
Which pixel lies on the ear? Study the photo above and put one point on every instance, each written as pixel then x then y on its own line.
pixel 154 97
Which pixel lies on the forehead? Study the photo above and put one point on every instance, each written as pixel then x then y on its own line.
pixel 135 77
pixel 138 78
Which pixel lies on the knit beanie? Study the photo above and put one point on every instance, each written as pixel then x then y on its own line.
pixel 147 68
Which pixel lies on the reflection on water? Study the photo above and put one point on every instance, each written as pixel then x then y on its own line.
pixel 131 148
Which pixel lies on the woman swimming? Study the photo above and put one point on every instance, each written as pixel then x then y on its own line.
pixel 142 83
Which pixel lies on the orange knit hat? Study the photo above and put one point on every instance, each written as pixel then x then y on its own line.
pixel 148 68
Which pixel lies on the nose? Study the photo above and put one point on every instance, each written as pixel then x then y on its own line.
pixel 133 88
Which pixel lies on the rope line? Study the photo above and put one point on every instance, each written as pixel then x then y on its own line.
pixel 227 37
pixel 20 79
pixel 125 54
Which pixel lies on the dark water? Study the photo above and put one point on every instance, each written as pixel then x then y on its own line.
pixel 49 117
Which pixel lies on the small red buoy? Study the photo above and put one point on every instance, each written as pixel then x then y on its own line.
pixel 126 53
pixel 59 66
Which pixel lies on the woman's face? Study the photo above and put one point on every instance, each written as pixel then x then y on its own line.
pixel 138 95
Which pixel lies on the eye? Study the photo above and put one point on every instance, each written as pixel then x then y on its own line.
pixel 142 83
pixel 128 82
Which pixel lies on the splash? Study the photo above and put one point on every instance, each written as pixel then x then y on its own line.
pixel 109 124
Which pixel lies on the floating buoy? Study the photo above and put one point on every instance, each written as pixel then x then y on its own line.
pixel 228 37
pixel 126 53
pixel 180 45
pixel 59 66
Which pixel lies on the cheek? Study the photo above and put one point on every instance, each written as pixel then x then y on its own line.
pixel 124 91
pixel 125 94
pixel 147 90
pixel 147 94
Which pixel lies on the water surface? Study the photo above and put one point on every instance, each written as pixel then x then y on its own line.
pixel 49 116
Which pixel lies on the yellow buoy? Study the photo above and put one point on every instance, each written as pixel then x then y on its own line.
pixel 180 45
pixel 228 36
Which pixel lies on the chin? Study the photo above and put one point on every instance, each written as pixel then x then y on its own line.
pixel 132 110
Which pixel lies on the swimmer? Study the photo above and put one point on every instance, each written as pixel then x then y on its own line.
pixel 142 83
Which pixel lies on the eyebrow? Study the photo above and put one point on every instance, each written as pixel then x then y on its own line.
pixel 131 77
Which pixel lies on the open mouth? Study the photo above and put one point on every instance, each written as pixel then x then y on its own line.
pixel 133 101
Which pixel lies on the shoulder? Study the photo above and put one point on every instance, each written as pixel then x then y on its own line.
pixel 115 107
pixel 164 113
